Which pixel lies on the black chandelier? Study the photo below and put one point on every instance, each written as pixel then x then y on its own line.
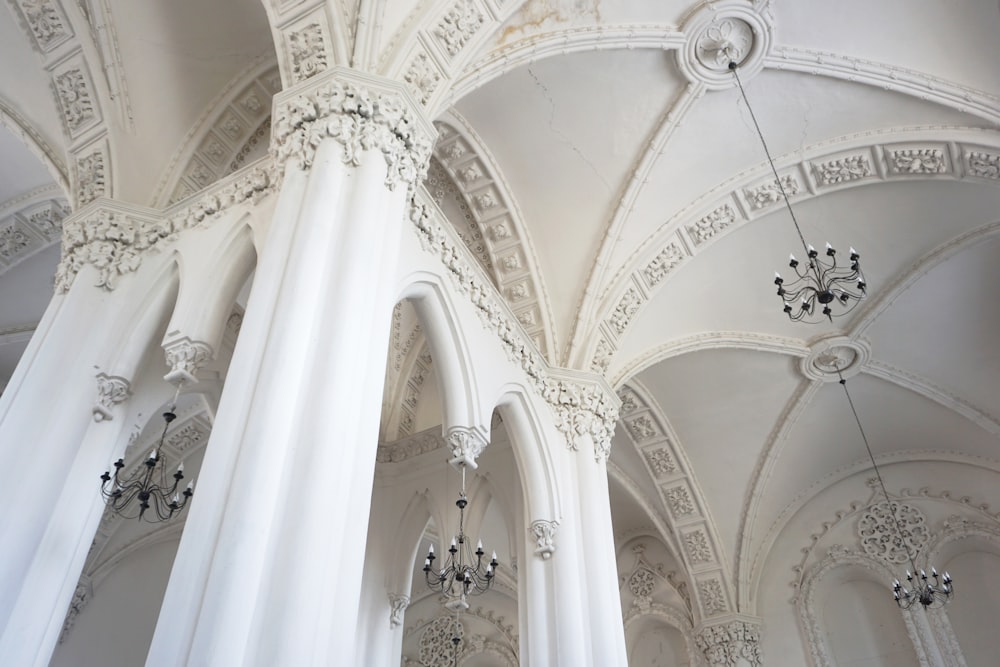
pixel 821 287
pixel 931 592
pixel 463 573
pixel 149 485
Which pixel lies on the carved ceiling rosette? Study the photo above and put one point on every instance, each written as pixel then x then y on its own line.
pixel 877 530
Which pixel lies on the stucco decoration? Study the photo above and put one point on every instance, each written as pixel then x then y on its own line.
pixel 111 390
pixel 358 116
pixel 186 357
pixel 466 445
pixel 730 644
pixel 718 32
pixel 544 534
pixel 877 531
pixel 436 647
pixel 397 607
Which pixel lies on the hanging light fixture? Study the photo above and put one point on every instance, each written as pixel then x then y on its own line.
pixel 463 573
pixel 149 485
pixel 821 287
pixel 931 592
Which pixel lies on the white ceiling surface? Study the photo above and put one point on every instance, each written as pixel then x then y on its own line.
pixel 20 170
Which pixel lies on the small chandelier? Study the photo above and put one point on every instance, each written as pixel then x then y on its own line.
pixel 821 287
pixel 931 592
pixel 149 485
pixel 463 573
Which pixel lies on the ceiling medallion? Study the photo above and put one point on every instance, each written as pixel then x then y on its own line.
pixel 834 357
pixel 719 33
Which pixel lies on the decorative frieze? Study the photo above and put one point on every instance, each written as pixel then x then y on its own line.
pixel 626 309
pixel 679 501
pixel 91 177
pixel 917 161
pixel 713 597
pixel 842 170
pixel 73 91
pixel 422 78
pixel 186 357
pixel 409 448
pixel 660 461
pixel 13 240
pixel 983 165
pixel 459 25
pixel 187 437
pixel 111 390
pixel 697 547
pixel 642 428
pixel 307 49
pixel 770 193
pixel 602 356
pixel 544 534
pixel 730 644
pixel 48 25
pixel 713 223
pixel 360 119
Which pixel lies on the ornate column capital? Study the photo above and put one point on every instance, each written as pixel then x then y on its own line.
pixel 111 390
pixel 466 444
pixel 361 112
pixel 185 358
pixel 732 643
pixel 544 533
pixel 583 405
pixel 397 607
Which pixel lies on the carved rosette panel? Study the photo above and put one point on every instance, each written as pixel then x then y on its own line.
pixel 359 118
pixel 731 644
pixel 642 583
pixel 880 539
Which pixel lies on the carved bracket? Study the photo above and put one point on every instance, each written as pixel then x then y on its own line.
pixel 397 607
pixel 544 533
pixel 186 357
pixel 111 390
pixel 466 445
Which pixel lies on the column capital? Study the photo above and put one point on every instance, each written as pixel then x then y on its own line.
pixel 361 112
pixel 185 358
pixel 583 404
pixel 544 533
pixel 466 444
pixel 397 607
pixel 111 390
pixel 731 642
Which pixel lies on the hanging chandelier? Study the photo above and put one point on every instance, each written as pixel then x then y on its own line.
pixel 822 287
pixel 149 485
pixel 931 592
pixel 463 572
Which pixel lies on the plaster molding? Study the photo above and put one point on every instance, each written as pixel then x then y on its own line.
pixel 361 113
pixel 466 444
pixel 583 405
pixel 185 357
pixel 397 607
pixel 113 237
pixel 111 390
pixel 731 643
pixel 544 534
pixel 685 233
pixel 82 595
pixel 414 445
pixel 719 32
pixel 29 224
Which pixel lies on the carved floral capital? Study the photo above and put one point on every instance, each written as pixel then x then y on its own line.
pixel 185 358
pixel 466 445
pixel 111 390
pixel 732 643
pixel 544 534
pixel 397 607
pixel 361 117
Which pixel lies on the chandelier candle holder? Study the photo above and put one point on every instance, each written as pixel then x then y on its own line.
pixel 931 592
pixel 821 288
pixel 149 485
pixel 463 572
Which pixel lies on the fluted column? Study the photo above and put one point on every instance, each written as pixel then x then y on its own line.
pixel 271 552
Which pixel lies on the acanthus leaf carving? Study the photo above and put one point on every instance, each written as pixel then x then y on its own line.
pixel 544 533
pixel 466 445
pixel 186 357
pixel 733 643
pixel 91 177
pixel 422 78
pixel 459 25
pixel 308 50
pixel 74 97
pixel 111 390
pixel 46 22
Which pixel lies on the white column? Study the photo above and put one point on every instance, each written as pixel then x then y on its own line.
pixel 272 555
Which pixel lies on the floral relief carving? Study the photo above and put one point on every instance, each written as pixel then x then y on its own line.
pixel 630 403
pixel 422 78
pixel 111 390
pixel 712 224
pixel 880 539
pixel 626 309
pixel 842 170
pixel 697 547
pixel 397 607
pixel 186 357
pixel 713 598
pixel 12 241
pixel 580 411
pixel 459 25
pixel 114 243
pixel 602 356
pixel 983 165
pixel 660 461
pixel 308 51
pixel 435 644
pixel 643 428
pixel 769 194
pixel 641 584
pixel 731 644
pixel 544 533
pixel 466 445
pixel 90 178
pixel 74 96
pixel 663 264
pixel 45 21
pixel 917 161
pixel 680 501
pixel 359 119
pixel 48 221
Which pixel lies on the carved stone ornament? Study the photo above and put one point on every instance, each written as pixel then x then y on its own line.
pixel 626 309
pixel 397 607
pixel 114 242
pixel 580 411
pixel 459 25
pixel 466 445
pixel 91 178
pixel 983 165
pixel 435 641
pixel 74 97
pixel 731 644
pixel 712 224
pixel 642 583
pixel 360 119
pixel 663 264
pixel 843 170
pixel 186 357
pixel 880 538
pixel 723 31
pixel 833 357
pixel 111 390
pixel 917 161
pixel 712 596
pixel 422 78
pixel 308 51
pixel 46 21
pixel 769 194
pixel 544 533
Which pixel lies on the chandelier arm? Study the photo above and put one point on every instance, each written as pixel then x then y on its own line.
pixel 878 475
